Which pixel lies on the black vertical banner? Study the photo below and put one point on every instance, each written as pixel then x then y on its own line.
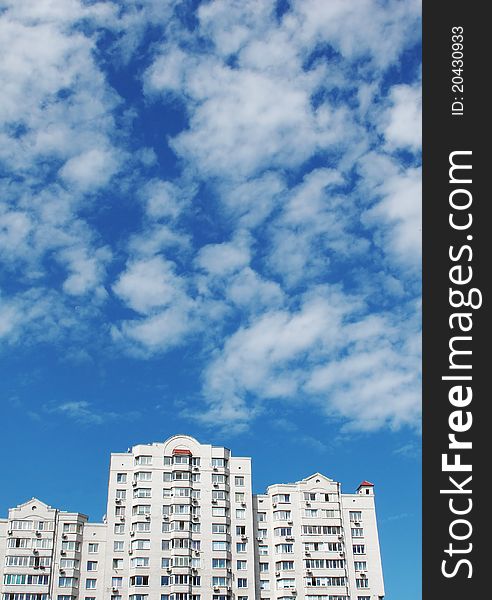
pixel 456 296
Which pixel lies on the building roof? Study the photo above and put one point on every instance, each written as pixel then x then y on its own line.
pixel 366 484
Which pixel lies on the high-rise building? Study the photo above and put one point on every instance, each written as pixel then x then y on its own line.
pixel 182 524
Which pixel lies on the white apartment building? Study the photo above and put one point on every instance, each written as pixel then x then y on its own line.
pixel 182 524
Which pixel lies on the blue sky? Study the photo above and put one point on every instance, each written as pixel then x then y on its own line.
pixel 210 224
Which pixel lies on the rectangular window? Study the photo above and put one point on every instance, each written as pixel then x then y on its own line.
pixel 220 545
pixel 355 515
pixel 142 492
pixel 139 580
pixel 117 582
pixel 117 563
pixel 120 477
pixel 282 515
pixel 357 532
pixel 261 517
pixel 362 583
pixel 281 498
pixel 240 547
pixel 240 513
pixel 118 546
pixel 218 462
pixel 143 460
pixel 239 481
pixel 93 548
pixel 264 567
pixel 242 565
pixel 119 528
pixel 359 549
pixel 219 528
pixel 140 561
pixel 219 511
pixel 360 565
pixel 92 565
pixel 120 494
pixel 90 584
pixel 242 582
pixel 143 476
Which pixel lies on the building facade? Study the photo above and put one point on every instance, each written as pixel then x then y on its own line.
pixel 182 524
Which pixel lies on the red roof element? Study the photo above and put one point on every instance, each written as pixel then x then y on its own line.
pixel 366 483
pixel 181 451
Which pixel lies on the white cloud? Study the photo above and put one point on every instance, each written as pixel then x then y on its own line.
pixel 402 122
pixel 359 367
pixel 149 284
pixel 89 170
pixel 223 259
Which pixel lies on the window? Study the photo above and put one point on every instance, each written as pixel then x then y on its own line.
pixel 168 460
pixel 219 511
pixel 93 548
pixel 359 549
pixel 141 509
pixel 139 580
pixel 242 582
pixel 115 597
pixel 325 581
pixel 92 565
pixel 263 550
pixel 181 460
pixel 360 565
pixel 355 515
pixel 138 597
pixel 119 546
pixel 220 563
pixel 219 528
pixel 119 511
pixel 143 460
pixel 282 515
pixel 67 581
pixel 70 527
pixel 309 496
pixel 264 567
pixel 143 492
pixel 282 531
pixel 219 478
pixel 284 548
pixel 219 581
pixel 285 584
pixel 321 529
pixel 120 477
pixel 262 534
pixel 285 565
pixel 264 584
pixel 218 462
pixel 165 563
pixel 90 584
pixel 140 561
pixel 141 526
pixel 240 547
pixel 311 513
pixel 281 498
pixel 195 461
pixel 69 563
pixel 242 565
pixel 363 597
pixel 220 545
pixel 141 545
pixel 240 529
pixel 143 476
pixel 239 496
pixel 165 580
pixel 240 513
pixel 117 563
pixel 361 582
pixel 71 546
pixel 119 528
pixel 116 582
pixel 239 480
pixel 357 532
pixel 219 495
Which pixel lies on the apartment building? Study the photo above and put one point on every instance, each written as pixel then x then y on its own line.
pixel 182 524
